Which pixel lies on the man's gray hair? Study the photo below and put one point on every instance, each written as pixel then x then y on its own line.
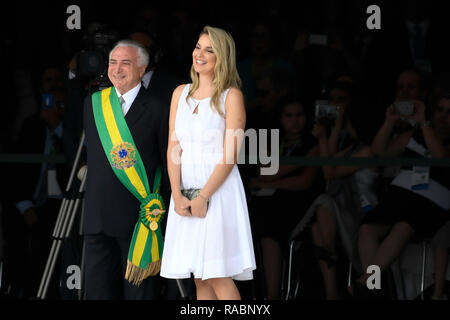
pixel 143 57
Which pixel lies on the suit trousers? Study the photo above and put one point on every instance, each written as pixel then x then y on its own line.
pixel 104 271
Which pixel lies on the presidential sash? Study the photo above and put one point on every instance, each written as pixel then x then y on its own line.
pixel 144 255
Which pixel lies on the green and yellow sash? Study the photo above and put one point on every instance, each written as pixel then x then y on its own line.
pixel 144 255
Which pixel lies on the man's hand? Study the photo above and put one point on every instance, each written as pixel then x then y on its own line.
pixel 319 131
pixel 341 111
pixel 391 114
pixel 30 216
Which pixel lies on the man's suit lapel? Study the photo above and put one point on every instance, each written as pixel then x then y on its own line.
pixel 138 107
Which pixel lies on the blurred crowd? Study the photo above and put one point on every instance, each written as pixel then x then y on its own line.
pixel 330 85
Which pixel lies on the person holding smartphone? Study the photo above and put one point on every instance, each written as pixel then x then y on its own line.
pixel 417 201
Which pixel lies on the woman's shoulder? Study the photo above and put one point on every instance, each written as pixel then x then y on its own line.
pixel 178 90
pixel 234 97
pixel 235 92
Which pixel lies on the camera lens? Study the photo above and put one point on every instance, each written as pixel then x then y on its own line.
pixel 91 63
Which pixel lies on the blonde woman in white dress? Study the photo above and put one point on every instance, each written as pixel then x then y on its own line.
pixel 210 234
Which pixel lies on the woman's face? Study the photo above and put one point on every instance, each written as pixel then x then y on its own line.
pixel 203 56
pixel 441 117
pixel 293 119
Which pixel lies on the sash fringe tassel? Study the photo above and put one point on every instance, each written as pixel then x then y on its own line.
pixel 136 274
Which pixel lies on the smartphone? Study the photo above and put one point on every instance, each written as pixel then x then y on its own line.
pixel 404 108
pixel 325 111
pixel 318 39
pixel 48 101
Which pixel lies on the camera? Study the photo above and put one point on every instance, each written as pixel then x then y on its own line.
pixel 325 111
pixel 318 39
pixel 92 63
pixel 404 108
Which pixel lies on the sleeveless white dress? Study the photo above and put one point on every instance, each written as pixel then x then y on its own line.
pixel 219 245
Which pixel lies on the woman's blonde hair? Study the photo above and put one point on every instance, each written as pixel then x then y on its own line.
pixel 225 72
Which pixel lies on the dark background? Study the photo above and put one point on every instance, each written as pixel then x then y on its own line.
pixel 34 37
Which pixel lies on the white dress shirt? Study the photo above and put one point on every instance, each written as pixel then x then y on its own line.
pixel 129 97
pixel 146 79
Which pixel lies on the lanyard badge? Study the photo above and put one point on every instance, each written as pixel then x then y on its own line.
pixel 420 178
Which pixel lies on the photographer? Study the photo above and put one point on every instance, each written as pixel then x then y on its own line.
pixel 412 193
pixel 156 80
pixel 350 191
pixel 340 101
pixel 37 196
pixel 160 83
pixel 411 85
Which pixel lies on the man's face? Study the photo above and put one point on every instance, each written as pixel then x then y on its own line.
pixel 123 69
pixel 408 87
pixel 293 119
pixel 52 78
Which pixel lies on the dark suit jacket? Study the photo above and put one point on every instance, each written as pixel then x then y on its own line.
pixel 109 207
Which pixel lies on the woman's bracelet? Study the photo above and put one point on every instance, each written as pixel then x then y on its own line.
pixel 204 198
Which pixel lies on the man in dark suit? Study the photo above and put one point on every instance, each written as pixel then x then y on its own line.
pixel 111 211
pixel 37 195
pixel 158 81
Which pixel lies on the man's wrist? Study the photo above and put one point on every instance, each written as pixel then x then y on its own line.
pixel 424 124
